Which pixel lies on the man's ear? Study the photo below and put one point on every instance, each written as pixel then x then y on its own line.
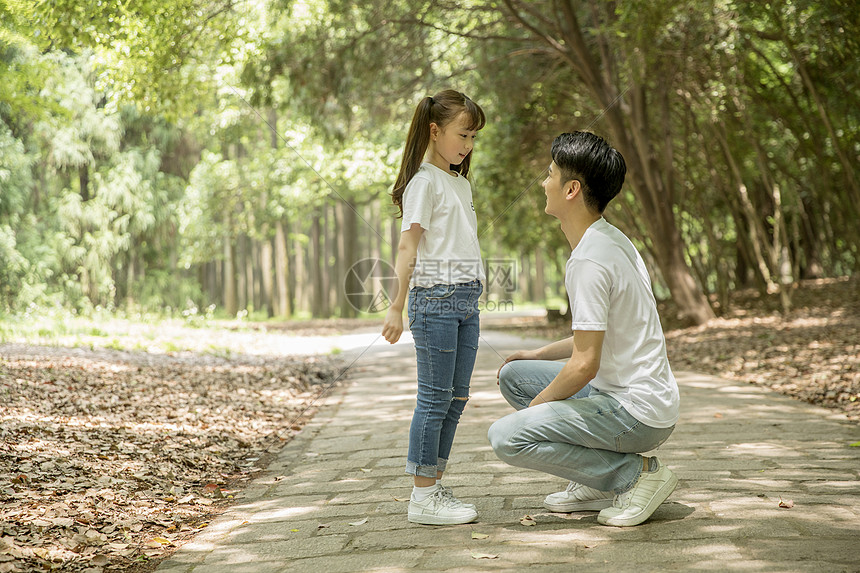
pixel 572 189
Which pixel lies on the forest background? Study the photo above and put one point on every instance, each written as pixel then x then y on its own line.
pixel 234 157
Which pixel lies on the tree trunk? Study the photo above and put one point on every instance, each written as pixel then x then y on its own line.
pixel 240 249
pixel 325 263
pixel 301 272
pixel 347 242
pixel 315 257
pixel 282 271
pixel 266 276
pixel 84 182
pixel 229 277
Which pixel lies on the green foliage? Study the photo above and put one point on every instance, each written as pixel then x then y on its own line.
pixel 138 140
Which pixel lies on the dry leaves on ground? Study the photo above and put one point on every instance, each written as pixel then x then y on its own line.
pixel 111 459
pixel 811 353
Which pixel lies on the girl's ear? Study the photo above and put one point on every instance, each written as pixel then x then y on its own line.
pixel 434 131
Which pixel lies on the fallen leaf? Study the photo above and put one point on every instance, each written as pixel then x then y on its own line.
pixel 214 489
pixel 401 499
pixel 786 504
pixel 323 525
pixel 100 560
pixel 718 415
pixel 476 535
pixel 855 445
pixel 362 522
pixel 365 470
pixel 294 530
pixel 483 556
pixel 528 520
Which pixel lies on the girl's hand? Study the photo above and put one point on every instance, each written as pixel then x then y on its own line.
pixel 518 355
pixel 392 327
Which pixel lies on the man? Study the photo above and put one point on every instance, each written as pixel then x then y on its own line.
pixel 588 419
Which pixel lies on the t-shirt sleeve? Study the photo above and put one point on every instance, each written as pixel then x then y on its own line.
pixel 417 204
pixel 588 287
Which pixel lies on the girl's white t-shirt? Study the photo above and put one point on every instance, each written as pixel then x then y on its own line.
pixel 610 290
pixel 441 203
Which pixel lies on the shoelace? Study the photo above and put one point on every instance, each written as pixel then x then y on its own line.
pixel 448 494
pixel 446 498
pixel 622 500
pixel 571 486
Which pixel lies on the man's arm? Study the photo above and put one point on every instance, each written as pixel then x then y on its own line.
pixel 407 252
pixel 553 351
pixel 578 371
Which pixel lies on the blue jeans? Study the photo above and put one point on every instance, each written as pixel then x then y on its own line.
pixel 444 323
pixel 588 438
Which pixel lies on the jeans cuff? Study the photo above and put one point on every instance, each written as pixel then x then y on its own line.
pixel 629 485
pixel 423 471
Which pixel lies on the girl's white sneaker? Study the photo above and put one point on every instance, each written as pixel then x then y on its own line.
pixel 440 508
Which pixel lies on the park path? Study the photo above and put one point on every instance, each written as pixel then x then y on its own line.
pixel 334 499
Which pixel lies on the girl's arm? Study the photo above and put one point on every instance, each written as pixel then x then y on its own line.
pixel 407 251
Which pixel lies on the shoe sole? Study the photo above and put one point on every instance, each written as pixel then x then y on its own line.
pixel 435 520
pixel 570 507
pixel 659 497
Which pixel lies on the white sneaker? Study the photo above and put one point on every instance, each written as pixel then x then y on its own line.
pixel 636 505
pixel 578 497
pixel 440 509
pixel 449 493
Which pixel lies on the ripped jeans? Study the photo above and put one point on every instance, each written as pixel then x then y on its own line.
pixel 444 320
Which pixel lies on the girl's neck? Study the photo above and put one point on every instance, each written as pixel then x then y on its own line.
pixel 437 160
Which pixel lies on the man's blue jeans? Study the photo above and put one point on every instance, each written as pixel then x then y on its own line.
pixel 445 326
pixel 588 438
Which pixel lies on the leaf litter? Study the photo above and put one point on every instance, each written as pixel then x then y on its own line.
pixel 110 460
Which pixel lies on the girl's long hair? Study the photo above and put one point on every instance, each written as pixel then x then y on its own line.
pixel 440 109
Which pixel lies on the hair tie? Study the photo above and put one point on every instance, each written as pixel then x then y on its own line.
pixel 432 101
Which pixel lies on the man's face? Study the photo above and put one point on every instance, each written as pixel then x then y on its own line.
pixel 555 195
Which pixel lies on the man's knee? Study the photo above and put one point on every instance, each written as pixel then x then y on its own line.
pixel 499 435
pixel 509 380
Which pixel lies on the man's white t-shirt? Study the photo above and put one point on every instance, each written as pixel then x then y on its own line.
pixel 441 203
pixel 610 290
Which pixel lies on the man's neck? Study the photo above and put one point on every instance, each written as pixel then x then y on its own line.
pixel 575 226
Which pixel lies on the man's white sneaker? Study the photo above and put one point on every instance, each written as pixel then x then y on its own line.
pixel 440 509
pixel 637 504
pixel 449 493
pixel 578 497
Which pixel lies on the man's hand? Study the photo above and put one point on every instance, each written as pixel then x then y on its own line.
pixel 518 355
pixel 392 327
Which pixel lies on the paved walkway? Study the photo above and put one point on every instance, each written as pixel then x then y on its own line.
pixel 334 500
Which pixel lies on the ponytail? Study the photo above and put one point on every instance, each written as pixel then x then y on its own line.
pixel 416 146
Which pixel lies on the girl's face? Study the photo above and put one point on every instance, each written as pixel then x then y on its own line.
pixel 450 145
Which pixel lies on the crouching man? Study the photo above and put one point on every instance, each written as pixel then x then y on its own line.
pixel 589 419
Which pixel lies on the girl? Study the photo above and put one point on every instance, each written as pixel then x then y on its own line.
pixel 439 251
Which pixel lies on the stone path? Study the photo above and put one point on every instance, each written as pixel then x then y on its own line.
pixel 334 500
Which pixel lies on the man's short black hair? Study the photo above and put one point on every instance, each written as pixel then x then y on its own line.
pixel 598 166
